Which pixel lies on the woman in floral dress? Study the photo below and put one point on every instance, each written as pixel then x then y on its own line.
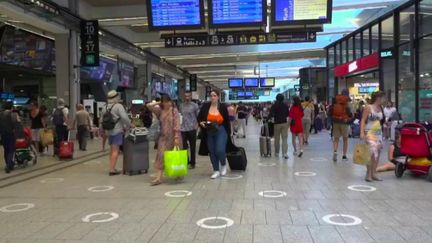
pixel 170 135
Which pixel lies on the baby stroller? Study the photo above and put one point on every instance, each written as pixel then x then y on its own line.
pixel 25 153
pixel 415 144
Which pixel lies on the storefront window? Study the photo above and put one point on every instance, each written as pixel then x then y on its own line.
pixel 407 92
pixel 425 17
pixel 388 69
pixel 331 87
pixel 350 49
pixel 375 38
pixel 407 24
pixel 331 56
pixel 344 52
pixel 387 33
pixel 366 45
pixel 425 89
pixel 357 39
pixel 338 55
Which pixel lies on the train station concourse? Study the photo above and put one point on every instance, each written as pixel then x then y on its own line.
pixel 215 121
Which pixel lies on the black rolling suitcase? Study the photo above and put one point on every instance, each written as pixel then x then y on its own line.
pixel 265 141
pixel 136 152
pixel 237 160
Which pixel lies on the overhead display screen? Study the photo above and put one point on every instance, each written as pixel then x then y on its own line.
pixel 267 82
pixel 294 11
pixel 237 12
pixel 251 83
pixel 235 83
pixel 175 14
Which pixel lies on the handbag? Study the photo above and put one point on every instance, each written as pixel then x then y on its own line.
pixel 175 162
pixel 47 137
pixel 361 154
pixel 154 130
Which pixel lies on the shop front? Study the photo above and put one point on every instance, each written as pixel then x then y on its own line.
pixel 360 77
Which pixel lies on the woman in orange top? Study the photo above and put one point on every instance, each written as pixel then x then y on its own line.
pixel 215 123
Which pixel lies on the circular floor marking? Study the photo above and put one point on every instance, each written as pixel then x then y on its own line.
pixel 19 207
pixel 113 216
pixel 305 173
pixel 52 180
pixel 202 223
pixel 266 164
pixel 362 188
pixel 100 188
pixel 232 177
pixel 328 219
pixel 320 159
pixel 179 193
pixel 272 194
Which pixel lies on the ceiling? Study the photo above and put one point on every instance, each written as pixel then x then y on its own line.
pixel 105 3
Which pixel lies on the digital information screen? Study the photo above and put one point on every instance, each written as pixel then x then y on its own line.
pixel 241 94
pixel 235 83
pixel 251 83
pixel 166 14
pixel 297 10
pixel 267 82
pixel 229 12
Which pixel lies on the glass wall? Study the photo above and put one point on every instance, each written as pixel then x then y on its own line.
pixel 387 33
pixel 375 38
pixel 425 17
pixel 351 49
pixel 407 95
pixel 366 44
pixel 338 55
pixel 331 57
pixel 358 46
pixel 407 24
pixel 344 51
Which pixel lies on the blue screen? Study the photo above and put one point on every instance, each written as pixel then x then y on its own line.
pixel 166 13
pixel 241 94
pixel 251 83
pixel 249 94
pixel 267 82
pixel 292 10
pixel 235 83
pixel 237 11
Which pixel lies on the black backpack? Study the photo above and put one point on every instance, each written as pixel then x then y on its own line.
pixel 7 124
pixel 147 118
pixel 58 117
pixel 108 122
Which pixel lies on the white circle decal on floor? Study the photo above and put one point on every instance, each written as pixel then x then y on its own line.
pixel 362 188
pixel 18 207
pixel 179 193
pixel 266 164
pixel 305 173
pixel 232 177
pixel 321 159
pixel 272 194
pixel 100 188
pixel 113 216
pixel 52 180
pixel 328 219
pixel 202 223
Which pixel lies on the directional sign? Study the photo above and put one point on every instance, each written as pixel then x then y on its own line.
pixel 239 39
pixel 90 43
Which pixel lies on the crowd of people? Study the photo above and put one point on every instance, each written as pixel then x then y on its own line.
pixel 216 124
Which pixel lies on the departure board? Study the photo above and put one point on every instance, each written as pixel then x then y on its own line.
pixel 171 14
pixel 237 12
pixel 286 11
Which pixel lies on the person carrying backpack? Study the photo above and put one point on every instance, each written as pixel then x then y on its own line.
pixel 9 121
pixel 114 121
pixel 341 115
pixel 60 119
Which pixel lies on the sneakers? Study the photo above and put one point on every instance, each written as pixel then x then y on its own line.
pixel 191 167
pixel 286 156
pixel 223 170
pixel 334 156
pixel 215 175
pixel 344 158
pixel 300 154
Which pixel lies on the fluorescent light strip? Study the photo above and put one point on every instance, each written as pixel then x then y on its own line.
pixel 122 19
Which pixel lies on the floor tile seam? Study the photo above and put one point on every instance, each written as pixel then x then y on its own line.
pixel 55 223
pixel 401 236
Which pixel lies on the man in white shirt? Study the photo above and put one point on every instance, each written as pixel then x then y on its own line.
pixel 389 111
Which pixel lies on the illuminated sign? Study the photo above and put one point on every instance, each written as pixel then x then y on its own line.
pixel 352 67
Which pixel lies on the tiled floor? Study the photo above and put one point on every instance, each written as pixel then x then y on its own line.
pixel 398 211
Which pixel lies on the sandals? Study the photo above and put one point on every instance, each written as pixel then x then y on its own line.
pixel 114 173
pixel 155 183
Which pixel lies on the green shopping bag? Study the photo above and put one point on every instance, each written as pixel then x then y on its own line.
pixel 175 162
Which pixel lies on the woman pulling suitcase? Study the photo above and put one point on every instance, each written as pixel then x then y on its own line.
pixel 214 121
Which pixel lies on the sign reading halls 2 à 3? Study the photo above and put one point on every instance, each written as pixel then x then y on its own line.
pixel 238 39
pixel 90 43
